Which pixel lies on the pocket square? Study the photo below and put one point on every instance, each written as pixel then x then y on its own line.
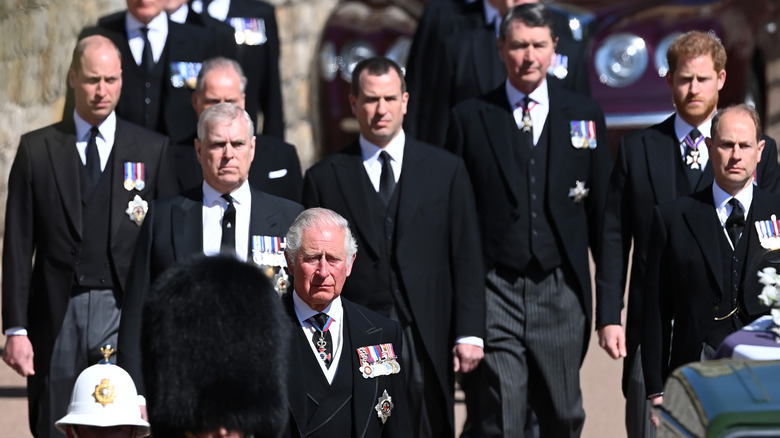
pixel 277 173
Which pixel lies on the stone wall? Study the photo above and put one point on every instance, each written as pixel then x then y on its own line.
pixel 39 36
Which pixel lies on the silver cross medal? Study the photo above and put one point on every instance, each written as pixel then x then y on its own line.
pixel 527 122
pixel 693 159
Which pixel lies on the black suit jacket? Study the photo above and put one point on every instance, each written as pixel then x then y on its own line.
pixel 481 132
pixel 437 247
pixel 172 232
pixel 644 175
pixel 685 280
pixel 261 66
pixel 185 43
pixel 364 328
pixel 470 66
pixel 43 228
pixel 275 168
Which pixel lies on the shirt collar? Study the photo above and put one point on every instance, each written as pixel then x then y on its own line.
pixel 158 23
pixel 240 196
pixel 721 197
pixel 395 148
pixel 683 128
pixel 540 95
pixel 492 16
pixel 302 310
pixel 107 128
pixel 180 15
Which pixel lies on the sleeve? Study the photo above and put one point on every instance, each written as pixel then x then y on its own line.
pixel 19 241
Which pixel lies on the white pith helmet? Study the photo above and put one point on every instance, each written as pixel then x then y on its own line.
pixel 104 395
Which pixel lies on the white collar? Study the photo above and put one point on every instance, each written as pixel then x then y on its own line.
pixel 158 23
pixel 395 148
pixel 180 15
pixel 241 195
pixel 106 128
pixel 721 197
pixel 683 128
pixel 302 310
pixel 540 95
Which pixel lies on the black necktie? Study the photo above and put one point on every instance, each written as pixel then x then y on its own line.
pixel 205 7
pixel 147 58
pixel 692 167
pixel 735 222
pixel 93 158
pixel 228 245
pixel 387 179
pixel 322 338
pixel 527 127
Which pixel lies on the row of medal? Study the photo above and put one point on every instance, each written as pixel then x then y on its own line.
pixel 268 253
pixel 583 134
pixel 378 360
pixel 769 233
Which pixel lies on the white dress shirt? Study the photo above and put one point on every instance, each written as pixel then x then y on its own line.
pixel 180 15
pixel 214 208
pixel 104 140
pixel 723 208
pixel 334 310
pixel 217 8
pixel 158 34
pixel 372 162
pixel 683 128
pixel 539 109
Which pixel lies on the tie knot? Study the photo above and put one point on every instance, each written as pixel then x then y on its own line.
pixel 737 215
pixel 227 198
pixel 322 321
pixel 385 157
pixel 694 134
pixel 144 30
pixel 525 103
pixel 94 132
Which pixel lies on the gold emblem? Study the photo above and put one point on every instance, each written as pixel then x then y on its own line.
pixel 104 393
pixel 107 351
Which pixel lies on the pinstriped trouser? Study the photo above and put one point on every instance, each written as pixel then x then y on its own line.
pixel 535 335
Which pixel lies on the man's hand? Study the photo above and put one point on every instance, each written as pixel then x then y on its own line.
pixel 466 357
pixel 612 339
pixel 655 401
pixel 18 354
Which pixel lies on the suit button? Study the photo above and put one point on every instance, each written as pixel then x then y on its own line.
pixel 103 280
pixel 735 259
pixel 148 85
pixel 533 179
pixel 108 265
pixel 533 215
pixel 533 196
pixel 147 101
pixel 534 232
pixel 532 161
pixel 734 302
pixel 81 278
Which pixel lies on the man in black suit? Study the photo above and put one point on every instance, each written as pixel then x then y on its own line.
pixel 468 66
pixel 656 165
pixel 78 192
pixel 345 377
pixel 222 215
pixel 276 170
pixel 538 159
pixel 257 36
pixel 413 210
pixel 158 78
pixel 701 253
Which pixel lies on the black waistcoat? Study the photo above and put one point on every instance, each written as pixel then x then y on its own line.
pixel 321 395
pixel 532 235
pixel 93 267
pixel 733 271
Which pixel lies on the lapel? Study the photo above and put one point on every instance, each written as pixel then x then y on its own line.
pixel 125 149
pixel 187 224
pixel 296 387
pixel 415 169
pixel 65 168
pixel 499 126
pixel 661 150
pixel 352 179
pixel 558 148
pixel 362 333
pixel 702 221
